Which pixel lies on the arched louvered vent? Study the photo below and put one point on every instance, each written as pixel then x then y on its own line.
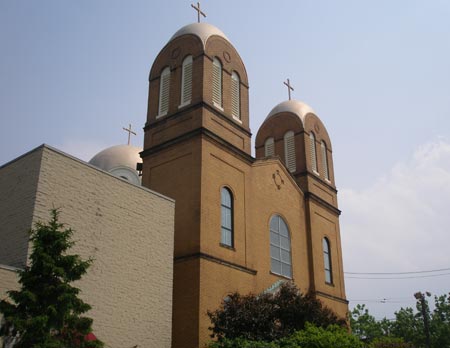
pixel 235 96
pixel 326 171
pixel 186 81
pixel 289 151
pixel 164 88
pixel 217 83
pixel 269 148
pixel 312 148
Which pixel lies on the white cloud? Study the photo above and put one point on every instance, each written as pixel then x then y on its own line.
pixel 400 223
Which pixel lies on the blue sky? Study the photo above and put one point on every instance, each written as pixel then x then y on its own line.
pixel 73 73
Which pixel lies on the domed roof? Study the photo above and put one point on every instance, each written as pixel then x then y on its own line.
pixel 117 156
pixel 202 30
pixel 294 106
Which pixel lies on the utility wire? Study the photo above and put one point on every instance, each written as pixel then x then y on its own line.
pixel 399 278
pixel 393 273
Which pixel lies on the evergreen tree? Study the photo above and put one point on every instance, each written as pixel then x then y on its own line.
pixel 46 312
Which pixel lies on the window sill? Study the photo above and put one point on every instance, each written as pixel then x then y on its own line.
pixel 218 106
pixel 161 115
pixel 184 104
pixel 226 246
pixel 316 172
pixel 329 284
pixel 280 275
pixel 237 119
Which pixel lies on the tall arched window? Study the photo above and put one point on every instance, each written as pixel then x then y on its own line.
pixel 269 147
pixel 164 88
pixel 326 172
pixel 327 261
pixel 235 96
pixel 280 247
pixel 186 81
pixel 217 83
pixel 226 202
pixel 312 148
pixel 289 151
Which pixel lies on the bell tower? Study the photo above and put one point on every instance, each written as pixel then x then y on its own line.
pixel 197 113
pixel 293 133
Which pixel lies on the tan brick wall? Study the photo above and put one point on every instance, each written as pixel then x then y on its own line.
pixel 18 182
pixel 128 231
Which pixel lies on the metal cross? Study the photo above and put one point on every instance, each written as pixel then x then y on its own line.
pixel 129 132
pixel 290 88
pixel 199 11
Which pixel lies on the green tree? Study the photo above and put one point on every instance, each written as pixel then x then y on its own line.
pixel 46 311
pixel 268 317
pixel 390 342
pixel 364 325
pixel 311 336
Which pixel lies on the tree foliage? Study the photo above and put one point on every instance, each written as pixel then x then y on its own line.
pixel 408 327
pixel 311 336
pixel 269 317
pixel 46 311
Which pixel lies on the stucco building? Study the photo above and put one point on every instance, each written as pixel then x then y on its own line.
pixel 241 223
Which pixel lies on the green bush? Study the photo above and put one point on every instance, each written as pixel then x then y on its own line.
pixel 316 337
pixel 390 342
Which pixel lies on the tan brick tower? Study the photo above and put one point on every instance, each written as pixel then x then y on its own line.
pixel 241 224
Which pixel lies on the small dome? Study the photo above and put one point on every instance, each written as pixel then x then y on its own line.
pixel 293 106
pixel 119 160
pixel 202 30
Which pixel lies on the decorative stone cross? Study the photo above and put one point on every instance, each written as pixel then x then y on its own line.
pixel 199 11
pixel 129 132
pixel 290 88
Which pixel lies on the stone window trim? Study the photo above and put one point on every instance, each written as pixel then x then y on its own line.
pixel 280 247
pixel 227 217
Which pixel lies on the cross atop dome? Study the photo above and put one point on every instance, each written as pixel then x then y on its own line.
pixel 199 11
pixel 290 88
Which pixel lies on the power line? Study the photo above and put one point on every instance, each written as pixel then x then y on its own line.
pixel 398 273
pixel 399 278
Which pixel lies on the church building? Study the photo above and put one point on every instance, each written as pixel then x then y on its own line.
pixel 241 223
pixel 202 217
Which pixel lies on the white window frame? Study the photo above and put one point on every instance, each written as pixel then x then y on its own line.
pixel 289 151
pixel 269 146
pixel 313 153
pixel 325 168
pixel 227 218
pixel 277 248
pixel 217 83
pixel 186 69
pixel 164 92
pixel 236 97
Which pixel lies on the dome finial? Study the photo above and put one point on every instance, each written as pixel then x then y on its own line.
pixel 199 11
pixel 129 132
pixel 290 88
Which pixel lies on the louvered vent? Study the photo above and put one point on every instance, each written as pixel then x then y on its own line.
pixel 235 96
pixel 186 83
pixel 269 147
pixel 217 83
pixel 164 88
pixel 312 147
pixel 326 172
pixel 289 151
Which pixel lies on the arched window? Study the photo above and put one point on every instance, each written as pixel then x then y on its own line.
pixel 235 96
pixel 217 83
pixel 327 261
pixel 269 147
pixel 312 148
pixel 326 172
pixel 280 247
pixel 164 88
pixel 289 151
pixel 226 202
pixel 186 81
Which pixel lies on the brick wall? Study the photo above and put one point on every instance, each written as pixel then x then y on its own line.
pixel 128 231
